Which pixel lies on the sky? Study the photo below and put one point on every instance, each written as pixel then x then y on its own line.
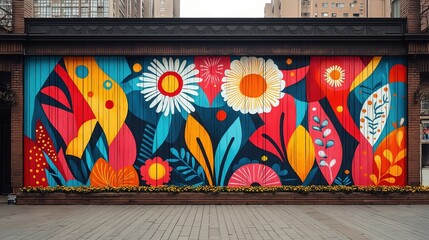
pixel 222 8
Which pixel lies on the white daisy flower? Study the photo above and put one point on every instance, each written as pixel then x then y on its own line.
pixel 253 85
pixel 170 85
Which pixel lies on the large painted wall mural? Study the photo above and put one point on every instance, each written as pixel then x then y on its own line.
pixel 215 120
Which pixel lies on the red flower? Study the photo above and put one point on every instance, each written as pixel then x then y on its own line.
pixel 156 172
pixel 254 174
pixel 211 71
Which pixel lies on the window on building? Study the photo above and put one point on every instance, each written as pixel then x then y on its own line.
pixel 340 5
pixel 396 11
pixel 305 14
pixel 315 14
pixel 355 14
pixel 324 5
pixel 315 5
pixel 334 14
pixel 352 5
pixel 333 5
pixel 325 14
pixel 345 14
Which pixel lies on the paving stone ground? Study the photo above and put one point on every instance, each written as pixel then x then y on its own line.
pixel 404 222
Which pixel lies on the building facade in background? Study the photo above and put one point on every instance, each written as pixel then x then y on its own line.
pixel 106 8
pixel 6 15
pixel 87 8
pixel 161 8
pixel 424 14
pixel 327 8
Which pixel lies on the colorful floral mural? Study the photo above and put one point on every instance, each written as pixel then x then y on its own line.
pixel 215 120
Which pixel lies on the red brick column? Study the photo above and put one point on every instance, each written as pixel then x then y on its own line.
pixel 410 9
pixel 414 168
pixel 16 69
pixel 18 16
pixel 17 124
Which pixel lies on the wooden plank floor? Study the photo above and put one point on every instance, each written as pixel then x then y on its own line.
pixel 213 222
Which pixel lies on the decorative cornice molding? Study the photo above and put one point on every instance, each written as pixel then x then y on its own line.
pixel 144 29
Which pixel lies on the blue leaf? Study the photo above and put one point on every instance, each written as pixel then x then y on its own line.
pixel 310 176
pixel 50 178
pixel 75 183
pixel 241 162
pixel 200 172
pixel 316 119
pixel 218 101
pixel 182 168
pixel 317 128
pixel 173 160
pixel 324 123
pixel 145 150
pixel 338 181
pixel 190 178
pixel 89 161
pixel 101 145
pixel 201 99
pixel 276 168
pixel 329 144
pixel 161 132
pixel 318 142
pixel 198 184
pixel 301 111
pixel 174 152
pixel 182 153
pixel 283 173
pixel 193 162
pixel 228 147
pixel 54 169
pixel 187 169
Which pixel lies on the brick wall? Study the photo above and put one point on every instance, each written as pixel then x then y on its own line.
pixel 410 9
pixel 18 16
pixel 16 124
pixel 413 123
pixel 14 64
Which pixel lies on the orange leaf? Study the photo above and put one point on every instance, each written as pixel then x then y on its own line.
pixel 393 151
pixel 401 155
pixel 373 179
pixel 399 137
pixel 300 152
pixel 200 145
pixel 377 160
pixel 389 180
pixel 388 154
pixel 127 176
pixel 103 175
pixel 395 171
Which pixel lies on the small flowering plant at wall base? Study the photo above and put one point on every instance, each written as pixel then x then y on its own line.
pixel 209 189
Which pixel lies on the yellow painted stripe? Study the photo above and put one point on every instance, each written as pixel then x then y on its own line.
pixel 366 72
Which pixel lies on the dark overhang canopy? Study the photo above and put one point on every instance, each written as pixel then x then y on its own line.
pixel 210 29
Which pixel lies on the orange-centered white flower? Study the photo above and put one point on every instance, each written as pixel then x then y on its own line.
pixel 334 76
pixel 252 85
